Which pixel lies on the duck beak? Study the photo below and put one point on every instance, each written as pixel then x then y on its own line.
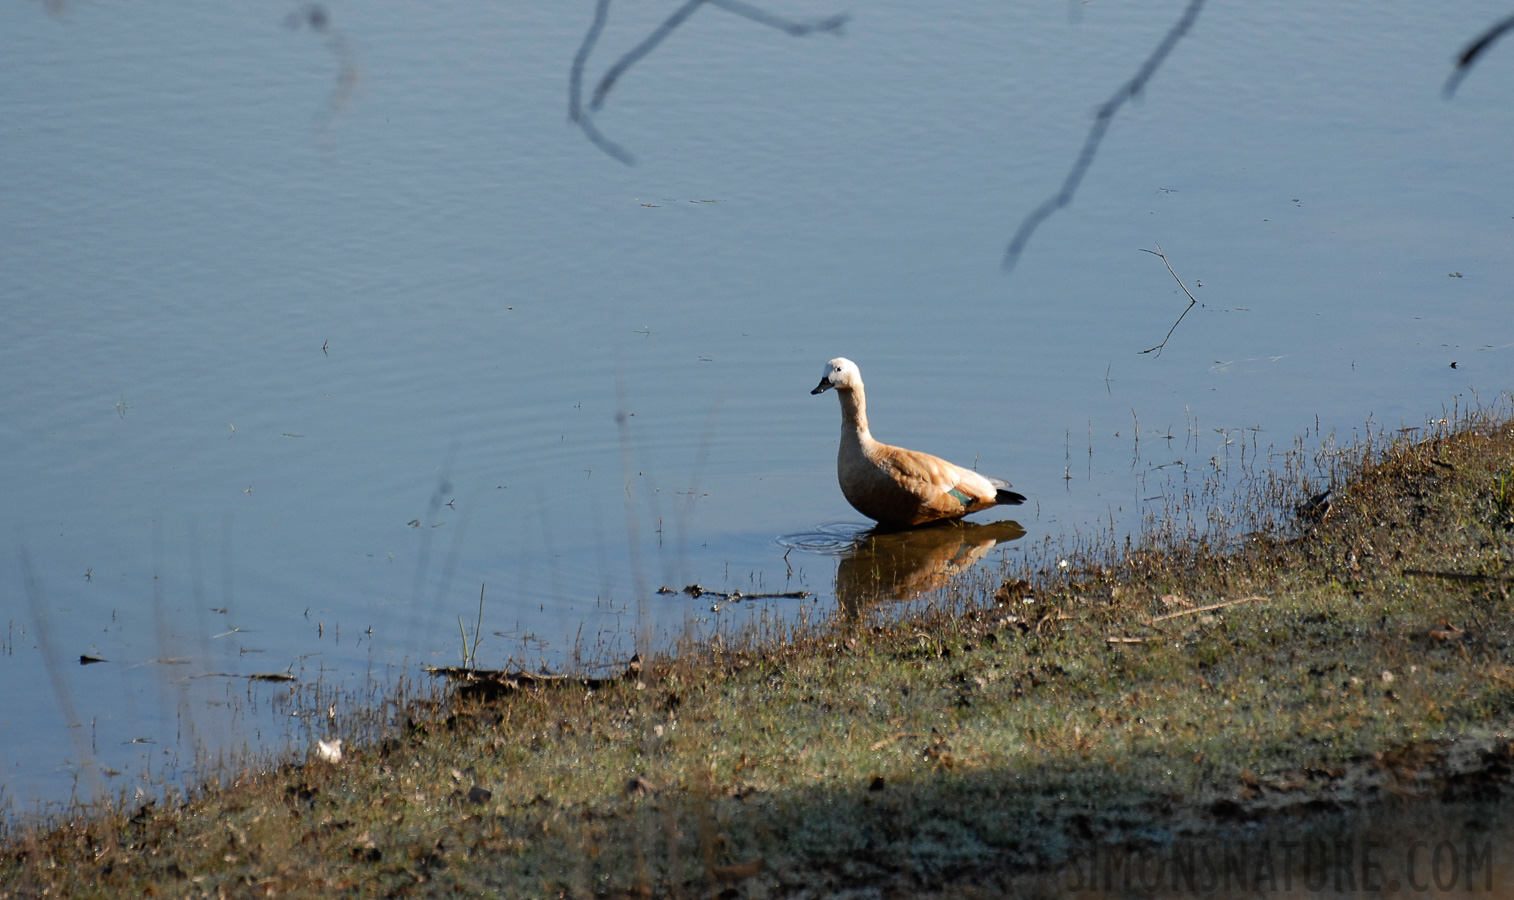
pixel 824 386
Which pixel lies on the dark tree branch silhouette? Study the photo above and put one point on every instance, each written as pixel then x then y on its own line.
pixel 576 112
pixel 316 17
pixel 832 24
pixel 1128 90
pixel 575 89
pixel 636 53
pixel 1474 50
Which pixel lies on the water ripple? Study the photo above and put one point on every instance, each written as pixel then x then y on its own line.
pixel 833 539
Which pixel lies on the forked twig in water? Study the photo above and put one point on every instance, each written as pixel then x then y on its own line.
pixel 1191 301
pixel 1129 89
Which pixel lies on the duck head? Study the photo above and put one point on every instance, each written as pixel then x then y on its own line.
pixel 839 373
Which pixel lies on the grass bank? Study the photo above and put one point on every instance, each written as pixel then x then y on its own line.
pixel 1340 682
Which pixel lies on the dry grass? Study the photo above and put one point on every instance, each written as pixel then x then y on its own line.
pixel 1363 691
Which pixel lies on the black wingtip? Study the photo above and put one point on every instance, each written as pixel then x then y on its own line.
pixel 1008 498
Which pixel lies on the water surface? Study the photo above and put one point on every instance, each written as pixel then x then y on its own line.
pixel 311 334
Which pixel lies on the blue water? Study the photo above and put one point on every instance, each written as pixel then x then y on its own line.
pixel 308 333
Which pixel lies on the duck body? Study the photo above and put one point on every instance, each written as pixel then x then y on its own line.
pixel 895 487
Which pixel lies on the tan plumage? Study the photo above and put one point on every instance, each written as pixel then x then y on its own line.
pixel 892 485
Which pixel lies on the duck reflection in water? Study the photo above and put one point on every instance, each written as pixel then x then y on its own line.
pixel 887 565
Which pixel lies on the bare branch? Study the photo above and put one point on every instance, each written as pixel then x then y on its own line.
pixel 1191 301
pixel 318 19
pixel 1474 50
pixel 1129 89
pixel 634 55
pixel 797 29
pixel 585 122
pixel 576 72
pixel 575 89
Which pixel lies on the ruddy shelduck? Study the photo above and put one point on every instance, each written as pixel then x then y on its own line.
pixel 895 487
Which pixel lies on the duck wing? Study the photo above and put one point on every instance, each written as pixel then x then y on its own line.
pixel 943 489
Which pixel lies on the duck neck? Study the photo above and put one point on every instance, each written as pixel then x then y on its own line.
pixel 854 418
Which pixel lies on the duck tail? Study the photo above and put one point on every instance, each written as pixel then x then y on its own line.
pixel 1003 496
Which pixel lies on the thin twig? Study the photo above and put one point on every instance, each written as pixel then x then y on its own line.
pixel 1054 617
pixel 1474 50
pixel 898 736
pixel 1203 609
pixel 1191 301
pixel 1128 90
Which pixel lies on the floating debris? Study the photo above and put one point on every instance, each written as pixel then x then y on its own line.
pixel 256 676
pixel 697 591
pixel 490 683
